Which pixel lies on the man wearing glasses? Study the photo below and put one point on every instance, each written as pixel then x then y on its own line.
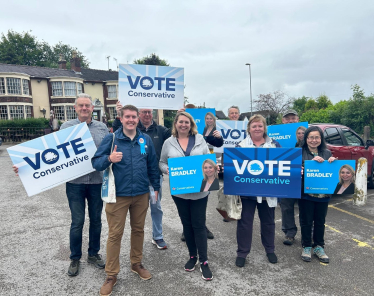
pixel 158 134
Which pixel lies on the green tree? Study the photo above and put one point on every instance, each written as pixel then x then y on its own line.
pixel 299 105
pixel 24 49
pixel 311 104
pixel 323 102
pixel 21 49
pixel 153 59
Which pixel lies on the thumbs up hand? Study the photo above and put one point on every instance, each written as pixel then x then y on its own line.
pixel 115 156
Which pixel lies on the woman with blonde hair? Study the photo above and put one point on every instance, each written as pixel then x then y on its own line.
pixel 184 142
pixel 300 135
pixel 210 173
pixel 211 135
pixel 347 180
pixel 257 137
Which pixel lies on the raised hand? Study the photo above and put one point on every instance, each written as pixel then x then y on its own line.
pixel 115 156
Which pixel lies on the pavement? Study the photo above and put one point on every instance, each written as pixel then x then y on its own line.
pixel 34 251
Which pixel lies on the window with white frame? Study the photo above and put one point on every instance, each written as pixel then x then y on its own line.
pixel 112 91
pixel 2 86
pixel 28 111
pixel 59 112
pixel 25 85
pixel 14 86
pixel 70 89
pixel 112 113
pixel 70 113
pixel 3 112
pixel 57 88
pixel 16 112
pixel 79 88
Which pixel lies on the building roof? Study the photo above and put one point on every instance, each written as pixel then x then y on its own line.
pixel 264 113
pixel 44 72
pixel 220 115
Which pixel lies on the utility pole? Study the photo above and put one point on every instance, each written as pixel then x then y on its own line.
pixel 250 85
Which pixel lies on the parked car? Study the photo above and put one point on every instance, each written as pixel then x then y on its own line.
pixel 345 143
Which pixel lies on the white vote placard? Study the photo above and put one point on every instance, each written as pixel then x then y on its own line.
pixel 53 159
pixel 151 87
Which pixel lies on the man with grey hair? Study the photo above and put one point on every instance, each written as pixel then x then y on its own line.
pixel 87 187
pixel 234 113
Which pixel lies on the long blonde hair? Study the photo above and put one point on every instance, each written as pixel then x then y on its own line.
pixel 212 163
pixel 352 171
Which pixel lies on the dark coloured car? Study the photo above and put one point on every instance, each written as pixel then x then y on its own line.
pixel 344 143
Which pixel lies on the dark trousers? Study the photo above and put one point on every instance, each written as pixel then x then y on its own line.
pixel 288 216
pixel 312 218
pixel 77 195
pixel 245 226
pixel 193 217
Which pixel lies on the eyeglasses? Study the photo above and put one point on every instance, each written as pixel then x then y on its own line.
pixel 82 105
pixel 314 138
pixel 146 112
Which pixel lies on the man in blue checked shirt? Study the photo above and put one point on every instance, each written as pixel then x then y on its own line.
pixel 87 187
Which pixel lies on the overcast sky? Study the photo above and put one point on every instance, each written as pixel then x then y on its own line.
pixel 301 47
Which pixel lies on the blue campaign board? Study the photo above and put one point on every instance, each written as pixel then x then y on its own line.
pixel 199 117
pixel 268 172
pixel 186 174
pixel 285 134
pixel 323 178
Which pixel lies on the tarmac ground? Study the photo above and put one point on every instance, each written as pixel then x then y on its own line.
pixel 34 251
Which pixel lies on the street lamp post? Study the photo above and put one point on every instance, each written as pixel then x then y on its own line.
pixel 250 85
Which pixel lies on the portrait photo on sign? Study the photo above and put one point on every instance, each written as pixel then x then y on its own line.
pixel 338 177
pixel 193 174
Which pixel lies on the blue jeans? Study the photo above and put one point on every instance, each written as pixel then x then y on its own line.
pixel 156 214
pixel 77 195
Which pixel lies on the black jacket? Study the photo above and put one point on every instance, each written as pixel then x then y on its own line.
pixel 212 140
pixel 116 124
pixel 350 189
pixel 214 186
pixel 158 134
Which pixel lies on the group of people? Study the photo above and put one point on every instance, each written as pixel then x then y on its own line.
pixel 139 158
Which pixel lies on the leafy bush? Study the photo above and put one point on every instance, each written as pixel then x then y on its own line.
pixel 29 122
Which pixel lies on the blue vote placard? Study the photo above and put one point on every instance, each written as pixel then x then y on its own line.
pixel 268 172
pixel 191 174
pixel 285 134
pixel 329 178
pixel 199 117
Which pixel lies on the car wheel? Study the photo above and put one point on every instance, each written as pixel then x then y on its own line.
pixel 371 178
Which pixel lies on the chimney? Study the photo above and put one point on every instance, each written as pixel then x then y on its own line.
pixel 75 62
pixel 61 62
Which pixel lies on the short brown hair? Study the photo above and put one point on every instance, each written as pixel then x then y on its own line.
pixel 128 107
pixel 255 118
pixel 193 130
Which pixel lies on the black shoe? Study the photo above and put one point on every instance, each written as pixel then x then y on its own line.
pixel 209 234
pixel 225 220
pixel 240 262
pixel 96 260
pixel 206 274
pixel 288 241
pixel 190 265
pixel 272 258
pixel 74 268
pixel 183 239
